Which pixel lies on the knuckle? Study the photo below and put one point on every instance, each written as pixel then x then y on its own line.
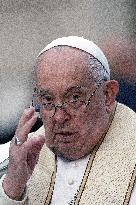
pixel 30 122
pixel 33 119
pixel 25 133
pixel 26 113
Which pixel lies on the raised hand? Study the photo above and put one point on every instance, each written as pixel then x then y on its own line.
pixel 23 156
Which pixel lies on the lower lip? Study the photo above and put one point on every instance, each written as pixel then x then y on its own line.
pixel 65 138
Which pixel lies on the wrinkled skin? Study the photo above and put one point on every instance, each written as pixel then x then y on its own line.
pixel 69 136
pixel 58 70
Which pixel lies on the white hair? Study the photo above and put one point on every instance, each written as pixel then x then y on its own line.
pixel 97 70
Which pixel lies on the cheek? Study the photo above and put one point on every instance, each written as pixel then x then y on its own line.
pixel 83 123
pixel 86 122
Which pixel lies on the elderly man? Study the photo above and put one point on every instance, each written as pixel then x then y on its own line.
pixel 86 151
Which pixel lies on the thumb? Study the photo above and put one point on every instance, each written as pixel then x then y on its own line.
pixel 34 144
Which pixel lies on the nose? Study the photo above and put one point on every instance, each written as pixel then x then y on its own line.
pixel 61 116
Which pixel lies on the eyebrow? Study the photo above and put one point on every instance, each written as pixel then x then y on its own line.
pixel 44 91
pixel 74 88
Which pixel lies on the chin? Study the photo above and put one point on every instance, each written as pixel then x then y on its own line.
pixel 69 155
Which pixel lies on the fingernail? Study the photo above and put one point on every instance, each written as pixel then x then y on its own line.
pixel 37 108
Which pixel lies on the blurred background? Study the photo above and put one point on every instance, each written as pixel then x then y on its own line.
pixel 26 26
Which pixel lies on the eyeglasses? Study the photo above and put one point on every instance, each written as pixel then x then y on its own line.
pixel 72 105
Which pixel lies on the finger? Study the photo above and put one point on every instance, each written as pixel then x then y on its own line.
pixel 22 133
pixel 27 114
pixel 35 142
pixel 34 146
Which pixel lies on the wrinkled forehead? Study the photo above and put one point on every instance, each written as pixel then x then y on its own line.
pixel 63 63
pixel 63 54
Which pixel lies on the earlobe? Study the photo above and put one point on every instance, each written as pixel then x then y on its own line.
pixel 111 91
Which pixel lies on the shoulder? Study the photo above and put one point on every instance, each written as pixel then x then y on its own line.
pixel 125 116
pixel 125 109
pixel 124 123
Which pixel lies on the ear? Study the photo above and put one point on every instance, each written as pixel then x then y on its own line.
pixel 110 90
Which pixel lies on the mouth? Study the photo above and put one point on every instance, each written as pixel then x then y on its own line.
pixel 65 137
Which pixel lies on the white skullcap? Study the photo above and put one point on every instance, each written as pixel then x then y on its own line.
pixel 82 44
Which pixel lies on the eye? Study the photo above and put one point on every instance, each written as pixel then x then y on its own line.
pixel 75 97
pixel 46 99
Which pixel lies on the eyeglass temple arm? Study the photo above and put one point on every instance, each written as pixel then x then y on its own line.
pixel 99 83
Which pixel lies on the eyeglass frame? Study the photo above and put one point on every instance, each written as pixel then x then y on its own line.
pixel 98 84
